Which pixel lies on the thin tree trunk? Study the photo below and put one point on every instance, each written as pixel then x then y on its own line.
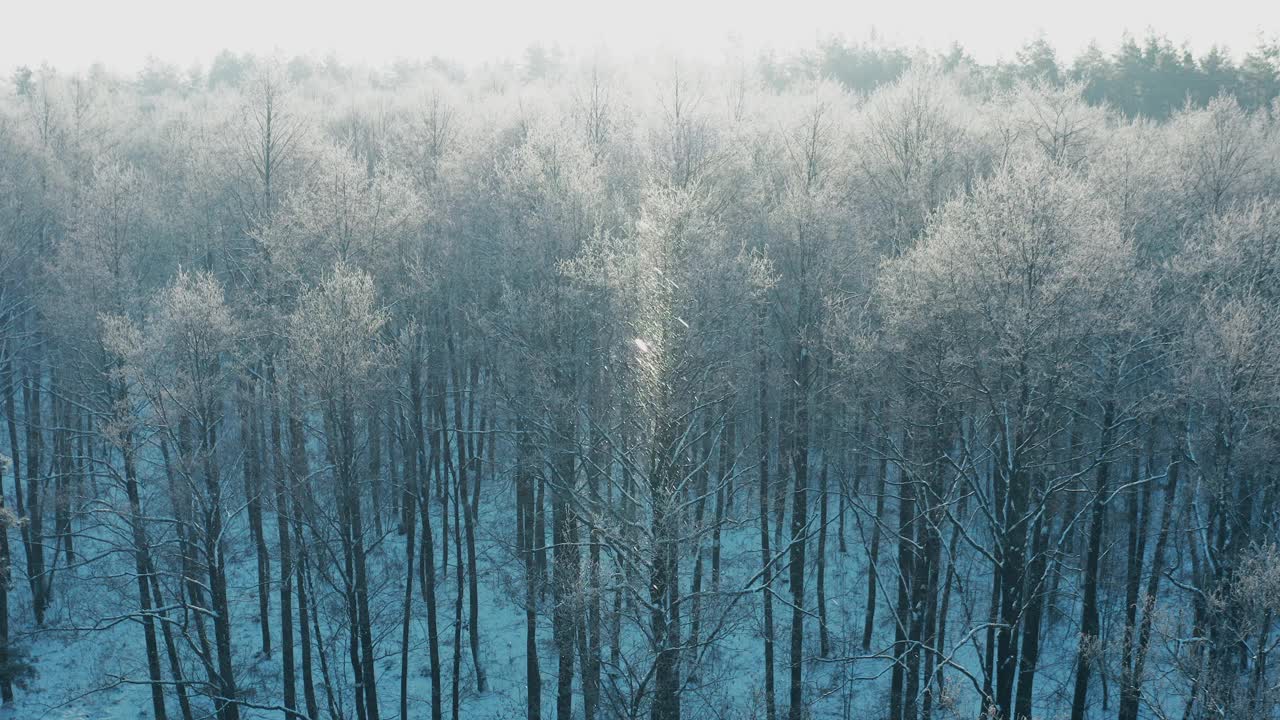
pixel 824 636
pixel 943 609
pixel 170 645
pixel 901 705
pixel 932 541
pixel 664 578
pixel 1131 692
pixel 1089 620
pixel 565 570
pixel 766 555
pixel 525 522
pixel 359 561
pixel 16 465
pixel 408 526
pixel 782 485
pixel 299 474
pixel 6 568
pixel 728 447
pixel 1029 657
pixel 540 531
pixel 6 683
pixel 443 478
pixel 338 460
pixel 1138 510
pixel 227 706
pixel 142 566
pixel 799 439
pixel 35 517
pixel 373 430
pixel 464 463
pixel 62 486
pixel 699 515
pixel 590 636
pixel 305 579
pixel 252 466
pixel 191 593
pixel 989 648
pixel 280 478
pixel 1011 500
pixel 869 623
pixel 426 464
pixel 460 585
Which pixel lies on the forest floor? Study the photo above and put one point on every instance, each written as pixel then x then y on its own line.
pixel 90 657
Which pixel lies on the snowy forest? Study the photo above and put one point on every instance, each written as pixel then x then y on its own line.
pixel 860 383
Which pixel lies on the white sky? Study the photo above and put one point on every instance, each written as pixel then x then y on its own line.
pixel 72 34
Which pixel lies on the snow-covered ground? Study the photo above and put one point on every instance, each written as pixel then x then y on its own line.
pixel 90 655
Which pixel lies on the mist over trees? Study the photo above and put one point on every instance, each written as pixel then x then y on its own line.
pixel 858 383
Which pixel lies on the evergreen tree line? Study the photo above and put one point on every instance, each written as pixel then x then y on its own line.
pixel 1151 77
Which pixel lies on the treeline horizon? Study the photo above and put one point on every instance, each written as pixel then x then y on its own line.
pixel 1149 76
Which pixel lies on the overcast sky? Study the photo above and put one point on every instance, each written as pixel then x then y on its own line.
pixel 72 34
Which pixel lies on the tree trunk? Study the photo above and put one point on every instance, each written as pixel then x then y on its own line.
pixel 460 586
pixel 701 488
pixel 728 447
pixel 934 492
pixel 598 470
pixel 902 705
pixel 425 465
pixel 299 474
pixel 171 647
pixel 1029 657
pixel 565 570
pixel 253 492
pixel 766 555
pixel 338 460
pixel 191 591
pixel 35 517
pixel 227 706
pixel 1011 500
pixel 664 580
pixel 16 465
pixel 540 531
pixel 6 684
pixel 443 478
pixel 142 566
pixel 1089 621
pixel 64 442
pixel 799 528
pixel 408 525
pixel 325 682
pixel 1138 511
pixel 940 641
pixel 824 637
pixel 869 623
pixel 280 479
pixel 989 653
pixel 373 431
pixel 464 494
pixel 6 568
pixel 362 580
pixel 525 522
pixel 1131 691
